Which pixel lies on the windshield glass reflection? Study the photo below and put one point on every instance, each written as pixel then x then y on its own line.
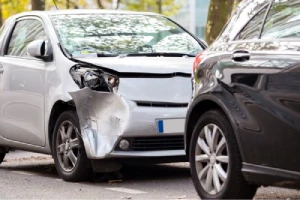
pixel 115 34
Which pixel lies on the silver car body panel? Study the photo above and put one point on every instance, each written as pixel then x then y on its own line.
pixel 103 118
pixel 29 93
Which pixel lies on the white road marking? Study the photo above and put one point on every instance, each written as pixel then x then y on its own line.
pixel 23 173
pixel 125 190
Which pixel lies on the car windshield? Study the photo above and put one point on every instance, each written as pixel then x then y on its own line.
pixel 122 34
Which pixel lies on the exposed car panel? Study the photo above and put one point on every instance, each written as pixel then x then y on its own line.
pixel 103 118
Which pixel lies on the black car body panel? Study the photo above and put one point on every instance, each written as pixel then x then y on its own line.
pixel 256 83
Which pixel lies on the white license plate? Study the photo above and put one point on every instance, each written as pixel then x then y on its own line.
pixel 165 126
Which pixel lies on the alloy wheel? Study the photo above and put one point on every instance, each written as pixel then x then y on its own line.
pixel 67 144
pixel 212 159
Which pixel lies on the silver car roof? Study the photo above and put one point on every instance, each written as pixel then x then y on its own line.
pixel 81 11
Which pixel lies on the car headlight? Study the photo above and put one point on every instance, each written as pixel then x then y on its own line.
pixel 95 79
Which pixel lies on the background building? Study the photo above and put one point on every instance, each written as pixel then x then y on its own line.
pixel 193 16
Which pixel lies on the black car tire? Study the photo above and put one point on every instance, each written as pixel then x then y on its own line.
pixel 82 170
pixel 2 155
pixel 235 186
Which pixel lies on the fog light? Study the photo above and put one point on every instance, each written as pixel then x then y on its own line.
pixel 124 144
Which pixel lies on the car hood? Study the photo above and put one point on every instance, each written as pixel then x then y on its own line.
pixel 150 89
pixel 157 65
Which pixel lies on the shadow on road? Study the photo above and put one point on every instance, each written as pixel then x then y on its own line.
pixel 127 173
pixel 155 172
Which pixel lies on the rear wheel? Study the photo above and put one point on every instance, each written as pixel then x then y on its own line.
pixel 215 160
pixel 69 154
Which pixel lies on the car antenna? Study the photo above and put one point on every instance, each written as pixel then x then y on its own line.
pixel 54 1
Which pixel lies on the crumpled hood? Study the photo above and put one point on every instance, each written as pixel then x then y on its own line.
pixel 158 65
pixel 170 89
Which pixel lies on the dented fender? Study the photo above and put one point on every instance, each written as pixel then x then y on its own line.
pixel 103 117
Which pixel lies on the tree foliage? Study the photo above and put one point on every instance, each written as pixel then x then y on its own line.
pixel 166 7
pixel 10 7
pixel 65 4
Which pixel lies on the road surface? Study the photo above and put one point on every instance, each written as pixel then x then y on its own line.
pixel 33 176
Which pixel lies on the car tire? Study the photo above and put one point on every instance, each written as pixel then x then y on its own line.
pixel 2 155
pixel 217 172
pixel 68 150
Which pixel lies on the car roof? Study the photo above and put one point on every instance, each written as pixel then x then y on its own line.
pixel 81 11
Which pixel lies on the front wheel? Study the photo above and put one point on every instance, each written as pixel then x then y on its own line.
pixel 68 151
pixel 215 160
pixel 2 155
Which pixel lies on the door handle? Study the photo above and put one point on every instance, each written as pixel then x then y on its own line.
pixel 241 56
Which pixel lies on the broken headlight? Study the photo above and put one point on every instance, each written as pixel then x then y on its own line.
pixel 95 79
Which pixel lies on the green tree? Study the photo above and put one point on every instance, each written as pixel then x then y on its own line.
pixel 103 4
pixel 166 7
pixel 10 7
pixel 66 4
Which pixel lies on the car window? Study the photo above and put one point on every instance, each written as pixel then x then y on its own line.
pixel 253 28
pixel 245 11
pixel 283 20
pixel 25 31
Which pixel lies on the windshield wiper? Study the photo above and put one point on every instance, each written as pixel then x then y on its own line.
pixel 106 55
pixel 156 54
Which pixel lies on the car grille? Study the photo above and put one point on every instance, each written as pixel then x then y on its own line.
pixel 157 143
pixel 161 104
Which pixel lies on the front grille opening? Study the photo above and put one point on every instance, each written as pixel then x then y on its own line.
pixel 158 143
pixel 161 104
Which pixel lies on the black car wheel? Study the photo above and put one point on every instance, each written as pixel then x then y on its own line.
pixel 68 151
pixel 2 155
pixel 215 160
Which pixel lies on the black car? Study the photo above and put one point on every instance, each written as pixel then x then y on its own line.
pixel 243 124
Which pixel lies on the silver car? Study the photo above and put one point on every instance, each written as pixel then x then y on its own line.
pixel 94 88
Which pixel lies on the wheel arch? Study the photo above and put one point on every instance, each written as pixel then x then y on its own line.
pixel 201 105
pixel 58 108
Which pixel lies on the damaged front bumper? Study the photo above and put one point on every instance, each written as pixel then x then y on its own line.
pixel 106 117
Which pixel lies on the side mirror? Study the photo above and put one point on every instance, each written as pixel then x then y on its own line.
pixel 40 49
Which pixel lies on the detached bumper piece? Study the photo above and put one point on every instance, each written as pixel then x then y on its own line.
pixel 103 117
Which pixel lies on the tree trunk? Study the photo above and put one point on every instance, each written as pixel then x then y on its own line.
pixel 99 3
pixel 67 4
pixel 159 4
pixel 118 4
pixel 236 3
pixel 37 4
pixel 219 12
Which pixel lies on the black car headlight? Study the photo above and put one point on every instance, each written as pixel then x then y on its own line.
pixel 95 79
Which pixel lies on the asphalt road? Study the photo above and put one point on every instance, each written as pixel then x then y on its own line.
pixel 33 176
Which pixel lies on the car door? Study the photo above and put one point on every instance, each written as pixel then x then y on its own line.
pixel 264 71
pixel 22 81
